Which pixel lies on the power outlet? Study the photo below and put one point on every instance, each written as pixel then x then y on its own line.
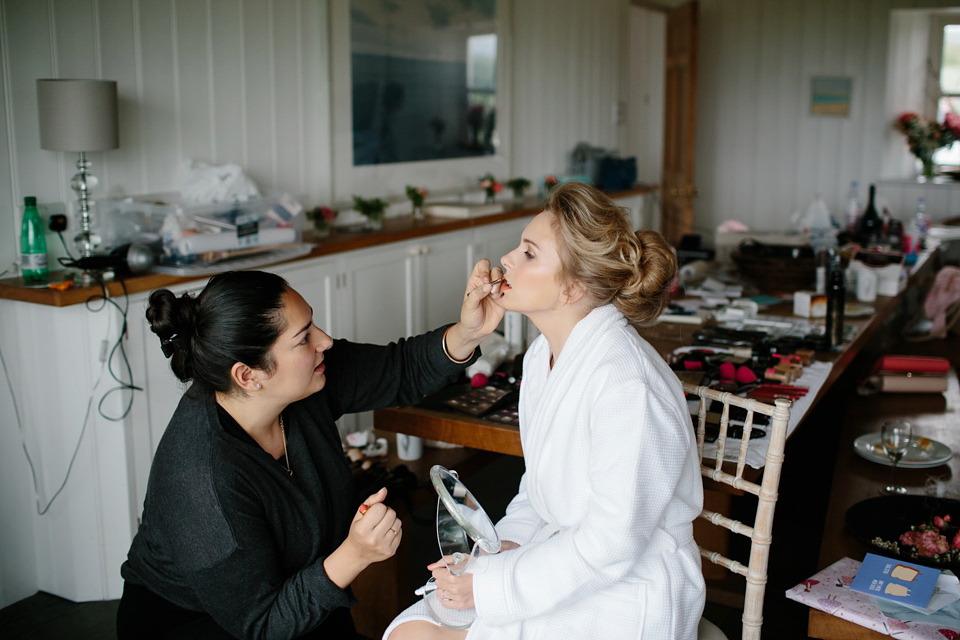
pixel 56 214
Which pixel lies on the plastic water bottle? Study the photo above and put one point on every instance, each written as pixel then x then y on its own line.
pixel 853 206
pixel 919 227
pixel 33 244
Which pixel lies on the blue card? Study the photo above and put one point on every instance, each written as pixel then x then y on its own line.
pixel 896 580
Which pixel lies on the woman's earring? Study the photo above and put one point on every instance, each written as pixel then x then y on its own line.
pixel 258 385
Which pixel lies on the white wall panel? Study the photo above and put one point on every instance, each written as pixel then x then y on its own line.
pixel 226 59
pixel 193 78
pixel 159 118
pixel 643 94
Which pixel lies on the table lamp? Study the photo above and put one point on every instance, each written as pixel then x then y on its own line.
pixel 79 116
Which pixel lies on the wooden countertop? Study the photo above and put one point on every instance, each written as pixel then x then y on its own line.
pixel 395 229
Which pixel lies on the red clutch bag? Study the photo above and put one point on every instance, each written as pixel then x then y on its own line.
pixel 908 374
pixel 920 365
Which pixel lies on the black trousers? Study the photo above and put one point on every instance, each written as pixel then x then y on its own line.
pixel 143 615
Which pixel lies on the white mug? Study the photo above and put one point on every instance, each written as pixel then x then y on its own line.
pixel 867 280
pixel 409 447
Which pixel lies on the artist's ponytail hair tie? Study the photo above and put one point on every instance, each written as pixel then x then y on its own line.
pixel 173 344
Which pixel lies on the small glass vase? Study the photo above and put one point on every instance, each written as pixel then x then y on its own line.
pixel 518 196
pixel 375 221
pixel 491 196
pixel 321 230
pixel 928 170
pixel 418 212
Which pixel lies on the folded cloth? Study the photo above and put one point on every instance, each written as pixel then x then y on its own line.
pixel 944 293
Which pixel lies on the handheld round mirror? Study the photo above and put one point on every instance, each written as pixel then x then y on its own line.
pixel 463 530
pixel 460 518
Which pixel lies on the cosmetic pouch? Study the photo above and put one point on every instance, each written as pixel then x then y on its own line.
pixel 907 365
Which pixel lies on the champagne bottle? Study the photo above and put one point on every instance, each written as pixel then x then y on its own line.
pixel 33 244
pixel 870 229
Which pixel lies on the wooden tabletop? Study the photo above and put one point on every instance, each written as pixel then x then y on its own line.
pixel 934 416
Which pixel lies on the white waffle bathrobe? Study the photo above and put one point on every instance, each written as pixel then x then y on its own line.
pixel 605 509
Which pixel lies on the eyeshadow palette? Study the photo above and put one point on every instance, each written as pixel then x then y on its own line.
pixel 508 415
pixel 477 401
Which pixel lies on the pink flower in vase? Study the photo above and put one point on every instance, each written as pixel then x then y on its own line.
pixel 941 523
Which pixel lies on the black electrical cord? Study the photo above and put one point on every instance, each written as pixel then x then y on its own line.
pixel 65 248
pixel 118 346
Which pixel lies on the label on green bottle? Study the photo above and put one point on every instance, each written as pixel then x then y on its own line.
pixel 33 261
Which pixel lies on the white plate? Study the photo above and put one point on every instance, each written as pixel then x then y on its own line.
pixel 923 452
pixel 857 309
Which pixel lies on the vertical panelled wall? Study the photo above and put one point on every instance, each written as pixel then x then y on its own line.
pixel 567 58
pixel 248 82
pixel 761 154
pixel 645 77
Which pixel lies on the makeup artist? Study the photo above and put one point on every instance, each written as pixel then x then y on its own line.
pixel 249 527
pixel 598 542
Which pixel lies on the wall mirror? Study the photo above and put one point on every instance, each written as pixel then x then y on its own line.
pixel 418 93
pixel 423 79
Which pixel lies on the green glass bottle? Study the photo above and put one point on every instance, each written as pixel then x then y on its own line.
pixel 33 244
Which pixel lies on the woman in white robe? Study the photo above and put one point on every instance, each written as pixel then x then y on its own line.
pixel 599 539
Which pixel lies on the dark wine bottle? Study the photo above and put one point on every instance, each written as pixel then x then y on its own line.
pixel 870 229
pixel 836 301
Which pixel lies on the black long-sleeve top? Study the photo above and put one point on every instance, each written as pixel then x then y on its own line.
pixel 226 531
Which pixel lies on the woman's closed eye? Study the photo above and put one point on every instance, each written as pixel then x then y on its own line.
pixel 528 255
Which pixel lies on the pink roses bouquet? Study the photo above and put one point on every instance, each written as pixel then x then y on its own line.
pixel 926 541
pixel 924 137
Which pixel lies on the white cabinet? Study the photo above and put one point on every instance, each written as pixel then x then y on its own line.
pixel 441 268
pixel 318 281
pixel 64 417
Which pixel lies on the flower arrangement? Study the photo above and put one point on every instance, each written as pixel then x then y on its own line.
pixel 416 195
pixel 518 185
pixel 925 137
pixel 372 208
pixel 927 541
pixel 322 218
pixel 549 182
pixel 490 185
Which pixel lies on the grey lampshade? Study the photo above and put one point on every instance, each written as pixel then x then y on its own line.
pixel 78 115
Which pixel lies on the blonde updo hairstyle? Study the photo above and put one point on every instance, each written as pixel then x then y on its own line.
pixel 599 249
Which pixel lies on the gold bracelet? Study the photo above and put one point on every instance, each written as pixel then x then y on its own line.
pixel 447 353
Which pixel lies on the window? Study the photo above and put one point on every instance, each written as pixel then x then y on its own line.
pixel 943 92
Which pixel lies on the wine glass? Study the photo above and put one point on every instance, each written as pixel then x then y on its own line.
pixel 896 436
